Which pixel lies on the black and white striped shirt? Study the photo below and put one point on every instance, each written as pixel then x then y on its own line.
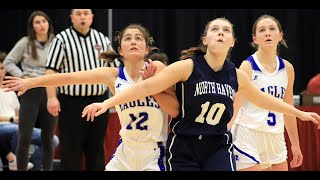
pixel 70 51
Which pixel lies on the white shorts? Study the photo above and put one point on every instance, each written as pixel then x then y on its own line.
pixel 252 147
pixel 138 156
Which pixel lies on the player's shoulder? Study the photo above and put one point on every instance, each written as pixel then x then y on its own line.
pixel 287 63
pixel 245 64
pixel 246 67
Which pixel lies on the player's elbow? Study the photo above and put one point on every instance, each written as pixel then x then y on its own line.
pixel 174 113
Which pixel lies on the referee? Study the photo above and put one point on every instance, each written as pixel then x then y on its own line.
pixel 77 49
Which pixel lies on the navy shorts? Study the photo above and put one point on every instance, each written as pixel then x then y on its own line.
pixel 200 153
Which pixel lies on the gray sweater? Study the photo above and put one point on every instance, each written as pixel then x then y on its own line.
pixel 29 66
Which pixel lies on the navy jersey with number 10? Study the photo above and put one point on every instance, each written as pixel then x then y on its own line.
pixel 206 100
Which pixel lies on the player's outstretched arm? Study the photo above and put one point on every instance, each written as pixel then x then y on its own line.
pixel 267 101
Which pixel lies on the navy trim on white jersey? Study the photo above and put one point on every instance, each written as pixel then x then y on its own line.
pixel 121 73
pixel 253 64
pixel 256 68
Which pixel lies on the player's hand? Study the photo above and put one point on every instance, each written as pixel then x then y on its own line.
pixel 93 110
pixel 297 157
pixel 148 69
pixel 310 116
pixel 11 83
pixel 53 106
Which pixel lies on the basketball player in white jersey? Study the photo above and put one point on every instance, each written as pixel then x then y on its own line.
pixel 144 122
pixel 259 133
pixel 144 131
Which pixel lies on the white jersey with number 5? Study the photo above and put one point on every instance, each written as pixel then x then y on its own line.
pixel 274 83
pixel 141 120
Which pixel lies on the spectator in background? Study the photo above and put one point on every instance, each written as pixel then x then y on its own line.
pixel 9 129
pixel 9 133
pixel 8 155
pixel 32 51
pixel 9 105
pixel 313 86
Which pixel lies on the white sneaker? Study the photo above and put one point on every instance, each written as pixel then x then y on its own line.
pixel 13 165
pixel 30 166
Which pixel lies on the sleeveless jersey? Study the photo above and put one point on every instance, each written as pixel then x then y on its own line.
pixel 206 100
pixel 274 83
pixel 141 120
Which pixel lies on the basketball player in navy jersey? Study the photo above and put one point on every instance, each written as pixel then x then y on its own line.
pixel 144 121
pixel 259 133
pixel 199 139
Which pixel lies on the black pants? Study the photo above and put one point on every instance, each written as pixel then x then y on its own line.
pixel 80 137
pixel 4 150
pixel 33 108
pixel 190 153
